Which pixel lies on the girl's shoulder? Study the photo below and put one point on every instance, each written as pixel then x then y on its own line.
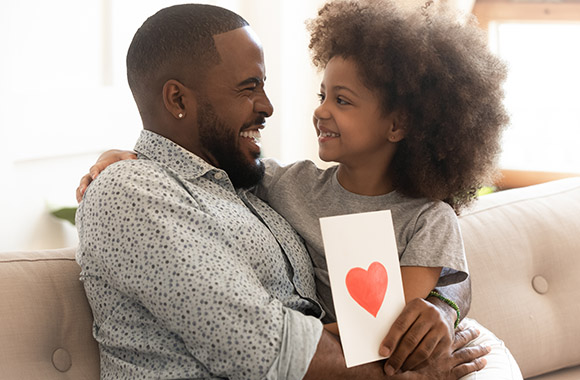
pixel 423 210
pixel 299 170
pixel 298 178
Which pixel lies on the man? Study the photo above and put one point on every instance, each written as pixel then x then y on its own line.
pixel 188 274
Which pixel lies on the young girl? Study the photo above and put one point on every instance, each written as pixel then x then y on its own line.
pixel 411 110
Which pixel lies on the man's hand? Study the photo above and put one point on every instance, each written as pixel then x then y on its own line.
pixel 104 160
pixel 421 332
pixel 459 362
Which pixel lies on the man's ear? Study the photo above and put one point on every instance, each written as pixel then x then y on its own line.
pixel 397 130
pixel 179 100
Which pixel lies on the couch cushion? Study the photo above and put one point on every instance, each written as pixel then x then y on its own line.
pixel 46 320
pixel 564 374
pixel 523 249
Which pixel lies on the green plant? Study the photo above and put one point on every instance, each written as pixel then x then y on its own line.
pixel 66 213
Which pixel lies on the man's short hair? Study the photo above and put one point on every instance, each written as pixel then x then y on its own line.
pixel 177 43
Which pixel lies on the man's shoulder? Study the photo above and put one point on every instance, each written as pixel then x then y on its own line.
pixel 128 187
pixel 129 166
pixel 127 176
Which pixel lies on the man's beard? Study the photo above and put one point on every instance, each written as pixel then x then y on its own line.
pixel 215 136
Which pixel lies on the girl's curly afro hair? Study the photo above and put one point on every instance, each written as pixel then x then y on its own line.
pixel 436 71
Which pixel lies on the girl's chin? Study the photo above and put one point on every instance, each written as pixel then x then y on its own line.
pixel 324 157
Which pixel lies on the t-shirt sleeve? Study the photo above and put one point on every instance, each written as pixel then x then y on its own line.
pixel 272 173
pixel 437 242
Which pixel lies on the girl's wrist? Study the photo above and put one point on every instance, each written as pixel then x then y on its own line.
pixel 452 312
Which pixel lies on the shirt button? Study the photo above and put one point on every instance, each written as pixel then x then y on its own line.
pixel 218 175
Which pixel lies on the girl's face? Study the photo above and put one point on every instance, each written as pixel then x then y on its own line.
pixel 349 123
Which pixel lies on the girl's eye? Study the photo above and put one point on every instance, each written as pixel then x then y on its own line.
pixel 342 102
pixel 321 98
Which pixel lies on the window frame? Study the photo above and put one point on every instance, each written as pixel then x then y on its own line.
pixel 488 11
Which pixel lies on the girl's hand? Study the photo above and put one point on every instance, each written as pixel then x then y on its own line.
pixel 105 159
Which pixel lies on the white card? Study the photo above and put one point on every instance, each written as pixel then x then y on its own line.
pixel 365 278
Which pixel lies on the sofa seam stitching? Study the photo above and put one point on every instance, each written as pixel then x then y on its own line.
pixel 519 201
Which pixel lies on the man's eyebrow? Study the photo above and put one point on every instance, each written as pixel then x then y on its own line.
pixel 252 80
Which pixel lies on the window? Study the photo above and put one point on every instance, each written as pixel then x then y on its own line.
pixel 64 98
pixel 539 43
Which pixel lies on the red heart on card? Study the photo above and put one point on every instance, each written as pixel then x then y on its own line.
pixel 368 287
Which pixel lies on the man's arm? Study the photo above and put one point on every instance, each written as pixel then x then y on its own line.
pixel 451 362
pixel 421 314
pixel 328 362
pixel 105 159
pixel 169 252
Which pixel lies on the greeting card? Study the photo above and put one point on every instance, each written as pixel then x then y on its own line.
pixel 365 278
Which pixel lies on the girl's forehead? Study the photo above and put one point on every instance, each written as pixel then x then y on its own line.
pixel 339 68
pixel 343 72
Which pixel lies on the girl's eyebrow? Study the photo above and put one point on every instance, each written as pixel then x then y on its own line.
pixel 340 87
pixel 344 88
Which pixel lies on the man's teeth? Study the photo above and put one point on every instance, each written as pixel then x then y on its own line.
pixel 329 134
pixel 254 134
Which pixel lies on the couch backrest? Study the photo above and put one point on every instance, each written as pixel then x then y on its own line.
pixel 523 250
pixel 45 319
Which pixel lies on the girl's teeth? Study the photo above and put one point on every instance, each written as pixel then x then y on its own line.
pixel 329 134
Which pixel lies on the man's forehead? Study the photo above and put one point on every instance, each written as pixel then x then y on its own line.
pixel 236 36
pixel 241 53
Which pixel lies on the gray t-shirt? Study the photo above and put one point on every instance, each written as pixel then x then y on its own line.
pixel 427 232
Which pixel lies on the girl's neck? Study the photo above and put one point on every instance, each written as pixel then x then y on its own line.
pixel 365 180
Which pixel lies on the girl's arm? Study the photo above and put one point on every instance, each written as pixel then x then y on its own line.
pixel 107 158
pixel 419 281
pixel 460 293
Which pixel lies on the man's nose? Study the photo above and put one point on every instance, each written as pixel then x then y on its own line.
pixel 264 106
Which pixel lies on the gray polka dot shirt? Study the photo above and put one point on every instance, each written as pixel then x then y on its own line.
pixel 189 278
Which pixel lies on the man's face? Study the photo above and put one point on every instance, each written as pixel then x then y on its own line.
pixel 235 108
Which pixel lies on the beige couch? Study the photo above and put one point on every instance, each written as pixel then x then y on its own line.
pixel 523 248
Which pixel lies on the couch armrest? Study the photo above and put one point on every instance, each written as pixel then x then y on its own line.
pixel 46 329
pixel 523 250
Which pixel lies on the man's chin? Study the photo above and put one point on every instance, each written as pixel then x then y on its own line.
pixel 245 176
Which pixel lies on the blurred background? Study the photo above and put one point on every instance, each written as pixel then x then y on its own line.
pixel 64 97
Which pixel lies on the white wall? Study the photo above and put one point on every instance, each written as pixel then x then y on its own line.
pixel 64 99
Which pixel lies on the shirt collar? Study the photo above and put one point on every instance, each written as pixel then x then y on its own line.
pixel 164 151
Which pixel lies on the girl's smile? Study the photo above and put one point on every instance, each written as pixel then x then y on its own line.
pixel 352 129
